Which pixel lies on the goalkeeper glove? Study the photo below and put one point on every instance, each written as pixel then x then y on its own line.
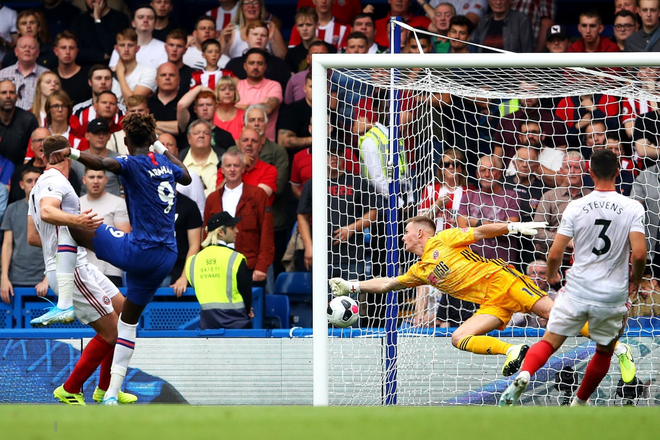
pixel 341 287
pixel 527 228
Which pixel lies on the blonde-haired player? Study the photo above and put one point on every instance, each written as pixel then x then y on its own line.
pixel 448 264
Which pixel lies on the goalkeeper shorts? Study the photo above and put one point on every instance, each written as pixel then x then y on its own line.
pixel 509 291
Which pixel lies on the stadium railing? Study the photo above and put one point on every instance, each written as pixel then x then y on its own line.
pixel 169 316
pixel 166 312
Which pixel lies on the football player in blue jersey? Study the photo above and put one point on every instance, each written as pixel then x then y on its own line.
pixel 149 251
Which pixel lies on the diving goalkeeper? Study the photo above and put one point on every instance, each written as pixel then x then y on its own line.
pixel 448 264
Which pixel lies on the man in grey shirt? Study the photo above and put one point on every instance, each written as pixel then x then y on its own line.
pixel 649 11
pixel 22 264
pixel 570 186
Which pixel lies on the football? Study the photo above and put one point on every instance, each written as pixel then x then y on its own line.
pixel 343 311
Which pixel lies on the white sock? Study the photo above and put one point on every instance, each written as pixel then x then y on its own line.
pixel 122 357
pixel 578 402
pixel 619 349
pixel 67 255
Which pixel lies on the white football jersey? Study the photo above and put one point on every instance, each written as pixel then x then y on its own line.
pixel 600 224
pixel 52 183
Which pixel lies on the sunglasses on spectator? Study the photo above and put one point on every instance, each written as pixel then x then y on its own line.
pixel 449 164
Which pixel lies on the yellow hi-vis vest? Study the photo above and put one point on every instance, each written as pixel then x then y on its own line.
pixel 378 134
pixel 213 274
pixel 508 107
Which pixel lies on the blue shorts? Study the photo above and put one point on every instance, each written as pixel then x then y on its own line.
pixel 145 268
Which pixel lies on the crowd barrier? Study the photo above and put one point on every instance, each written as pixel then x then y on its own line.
pixel 166 312
pixel 289 306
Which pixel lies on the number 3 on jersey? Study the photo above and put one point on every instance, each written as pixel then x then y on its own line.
pixel 166 194
pixel 607 243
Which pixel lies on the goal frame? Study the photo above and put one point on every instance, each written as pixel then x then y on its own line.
pixel 320 82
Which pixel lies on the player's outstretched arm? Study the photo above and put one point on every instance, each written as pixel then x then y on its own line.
pixel 496 229
pixel 89 160
pixel 341 287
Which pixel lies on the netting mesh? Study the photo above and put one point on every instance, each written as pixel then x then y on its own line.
pixel 477 145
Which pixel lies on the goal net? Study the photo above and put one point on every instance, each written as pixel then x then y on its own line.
pixel 466 140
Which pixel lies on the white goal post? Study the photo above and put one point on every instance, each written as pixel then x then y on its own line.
pixel 339 356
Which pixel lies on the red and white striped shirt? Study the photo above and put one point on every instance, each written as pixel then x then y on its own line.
pixel 333 33
pixel 82 116
pixel 446 216
pixel 633 107
pixel 208 79
pixel 222 17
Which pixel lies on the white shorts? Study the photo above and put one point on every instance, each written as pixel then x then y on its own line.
pixel 569 315
pixel 92 293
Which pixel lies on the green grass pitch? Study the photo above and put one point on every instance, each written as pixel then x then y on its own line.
pixel 163 422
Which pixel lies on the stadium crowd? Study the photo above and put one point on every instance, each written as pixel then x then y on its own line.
pixel 232 99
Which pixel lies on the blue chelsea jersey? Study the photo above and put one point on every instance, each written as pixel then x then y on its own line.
pixel 149 182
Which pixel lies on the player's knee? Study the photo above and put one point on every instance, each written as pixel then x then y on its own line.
pixel 457 337
pixel 106 328
pixel 542 307
pixel 109 336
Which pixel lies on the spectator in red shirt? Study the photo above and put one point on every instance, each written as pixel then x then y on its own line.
pixel 301 170
pixel 343 10
pixel 58 111
pixel 590 27
pixel 255 237
pixel 579 111
pixel 632 107
pixel 329 29
pixel 398 8
pixel 256 172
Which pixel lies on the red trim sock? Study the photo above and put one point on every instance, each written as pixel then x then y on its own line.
pixel 536 357
pixel 598 367
pixel 91 357
pixel 104 374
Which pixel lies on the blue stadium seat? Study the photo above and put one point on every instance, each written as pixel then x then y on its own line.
pixel 298 287
pixel 6 318
pixel 169 315
pixel 294 283
pixel 277 308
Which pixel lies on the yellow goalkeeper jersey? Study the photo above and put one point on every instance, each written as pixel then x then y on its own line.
pixel 451 266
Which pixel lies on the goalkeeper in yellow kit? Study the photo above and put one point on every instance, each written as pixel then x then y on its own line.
pixel 448 264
